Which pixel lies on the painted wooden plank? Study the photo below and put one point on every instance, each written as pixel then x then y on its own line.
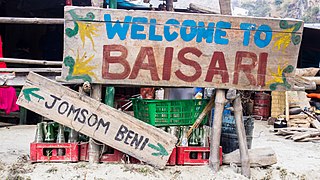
pixel 85 14
pixel 96 120
pixel 149 48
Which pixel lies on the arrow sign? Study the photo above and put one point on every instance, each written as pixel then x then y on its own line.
pixel 97 120
pixel 161 150
pixel 30 92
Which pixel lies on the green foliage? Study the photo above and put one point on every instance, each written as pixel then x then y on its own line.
pixel 311 14
pixel 278 2
pixel 258 8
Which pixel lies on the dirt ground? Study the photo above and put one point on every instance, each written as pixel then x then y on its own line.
pixel 295 161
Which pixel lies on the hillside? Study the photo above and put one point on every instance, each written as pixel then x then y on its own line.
pixel 307 10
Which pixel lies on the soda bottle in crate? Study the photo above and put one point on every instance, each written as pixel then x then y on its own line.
pixel 183 136
pixel 39 133
pixel 193 141
pixel 204 140
pixel 61 139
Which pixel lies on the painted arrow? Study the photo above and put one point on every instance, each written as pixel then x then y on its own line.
pixel 30 92
pixel 161 150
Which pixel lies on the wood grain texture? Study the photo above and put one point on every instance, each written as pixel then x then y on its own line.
pixel 259 157
pixel 96 120
pixel 208 50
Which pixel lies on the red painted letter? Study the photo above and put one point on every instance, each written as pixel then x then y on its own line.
pixel 246 68
pixel 222 69
pixel 151 65
pixel 189 62
pixel 108 59
pixel 262 68
pixel 167 63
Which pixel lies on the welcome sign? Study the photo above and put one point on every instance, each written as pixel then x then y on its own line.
pixel 109 46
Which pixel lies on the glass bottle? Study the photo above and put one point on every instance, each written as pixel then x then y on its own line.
pixel 61 139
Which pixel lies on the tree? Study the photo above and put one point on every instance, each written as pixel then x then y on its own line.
pixel 258 8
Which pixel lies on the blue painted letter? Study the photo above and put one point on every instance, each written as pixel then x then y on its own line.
pixel 261 43
pixel 220 33
pixel 166 30
pixel 193 30
pixel 204 33
pixel 152 31
pixel 117 28
pixel 136 27
pixel 247 27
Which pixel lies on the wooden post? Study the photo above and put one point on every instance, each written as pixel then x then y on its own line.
pixel 225 7
pixel 244 154
pixel 169 4
pixel 94 148
pixel 220 102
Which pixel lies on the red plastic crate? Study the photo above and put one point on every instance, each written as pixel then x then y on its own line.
pixel 183 155
pixel 114 156
pixel 48 152
pixel 173 158
pixel 171 161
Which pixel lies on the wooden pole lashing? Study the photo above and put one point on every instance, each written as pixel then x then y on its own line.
pixel 220 101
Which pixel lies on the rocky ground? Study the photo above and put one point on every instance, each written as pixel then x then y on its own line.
pixel 295 161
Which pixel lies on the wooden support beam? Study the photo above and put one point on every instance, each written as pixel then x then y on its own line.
pixel 18 20
pixel 31 61
pixel 244 153
pixel 314 79
pixel 94 150
pixel 220 101
pixel 259 157
pixel 306 71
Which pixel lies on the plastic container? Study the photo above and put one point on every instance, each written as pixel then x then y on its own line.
pixel 169 112
pixel 229 139
pixel 48 152
pixel 184 155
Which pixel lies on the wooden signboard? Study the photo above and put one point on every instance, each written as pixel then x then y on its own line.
pixel 97 120
pixel 110 46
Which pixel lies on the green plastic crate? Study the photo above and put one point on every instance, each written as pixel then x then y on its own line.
pixel 169 112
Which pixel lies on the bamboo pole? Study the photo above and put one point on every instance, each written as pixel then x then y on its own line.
pixel 94 150
pixel 31 61
pixel 25 70
pixel 198 121
pixel 220 101
pixel 18 20
pixel 244 153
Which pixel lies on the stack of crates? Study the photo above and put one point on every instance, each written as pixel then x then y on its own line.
pixel 167 113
